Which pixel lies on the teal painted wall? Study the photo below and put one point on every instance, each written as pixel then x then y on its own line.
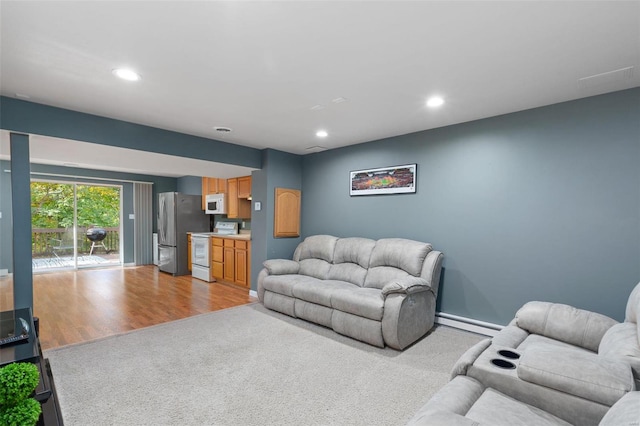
pixel 542 204
pixel 280 169
pixel 191 185
pixel 29 117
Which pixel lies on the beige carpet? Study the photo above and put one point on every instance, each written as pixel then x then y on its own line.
pixel 249 366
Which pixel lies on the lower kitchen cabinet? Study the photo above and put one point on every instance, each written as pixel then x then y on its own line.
pixel 230 260
pixel 242 263
pixel 217 258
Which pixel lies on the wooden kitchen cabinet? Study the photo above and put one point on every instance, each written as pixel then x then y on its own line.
pixel 231 261
pixel 217 258
pixel 229 268
pixel 242 263
pixel 287 213
pixel 244 187
pixel 232 198
pixel 237 208
pixel 212 186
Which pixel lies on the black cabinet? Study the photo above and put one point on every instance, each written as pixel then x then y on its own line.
pixel 30 351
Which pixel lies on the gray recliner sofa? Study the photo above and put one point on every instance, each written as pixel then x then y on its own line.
pixel 465 401
pixel 381 292
pixel 553 364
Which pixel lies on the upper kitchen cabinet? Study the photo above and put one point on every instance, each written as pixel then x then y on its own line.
pixel 212 186
pixel 238 207
pixel 244 187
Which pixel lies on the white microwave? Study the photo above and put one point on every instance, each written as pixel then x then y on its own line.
pixel 215 204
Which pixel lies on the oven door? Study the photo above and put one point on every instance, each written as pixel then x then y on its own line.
pixel 200 250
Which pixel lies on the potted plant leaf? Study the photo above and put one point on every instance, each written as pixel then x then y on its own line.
pixel 17 383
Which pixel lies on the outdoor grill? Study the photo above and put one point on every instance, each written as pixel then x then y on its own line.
pixel 96 235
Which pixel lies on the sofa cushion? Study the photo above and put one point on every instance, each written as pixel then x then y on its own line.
pixel 354 250
pixel 586 375
pixel 624 412
pixel 497 409
pixel 364 302
pixel 320 292
pixel 284 284
pixel 380 276
pixel 534 340
pixel 350 272
pixel 621 340
pixel 399 253
pixel 632 312
pixel 318 247
pixel 465 396
pixel 317 268
pixel 563 322
pixel 351 260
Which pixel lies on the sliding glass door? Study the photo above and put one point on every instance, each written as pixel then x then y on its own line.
pixel 75 225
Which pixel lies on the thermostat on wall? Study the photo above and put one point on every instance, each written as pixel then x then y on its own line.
pixel 257 206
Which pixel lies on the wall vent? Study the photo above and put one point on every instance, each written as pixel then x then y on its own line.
pixel 610 78
pixel 316 148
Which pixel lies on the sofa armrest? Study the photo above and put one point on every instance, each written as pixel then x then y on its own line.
pixel 281 266
pixel 406 285
pixel 441 418
pixel 565 323
pixel 468 358
pixel 579 373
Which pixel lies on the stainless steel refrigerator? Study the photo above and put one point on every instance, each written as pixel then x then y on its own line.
pixel 178 214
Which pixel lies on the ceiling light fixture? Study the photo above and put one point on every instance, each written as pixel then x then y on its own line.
pixel 322 134
pixel 126 74
pixel 435 101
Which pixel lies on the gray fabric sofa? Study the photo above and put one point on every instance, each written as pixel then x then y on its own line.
pixel 552 365
pixel 465 401
pixel 381 292
pixel 544 326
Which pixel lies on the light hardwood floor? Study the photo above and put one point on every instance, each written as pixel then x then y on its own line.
pixel 77 306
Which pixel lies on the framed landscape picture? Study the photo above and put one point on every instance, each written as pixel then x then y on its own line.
pixel 385 180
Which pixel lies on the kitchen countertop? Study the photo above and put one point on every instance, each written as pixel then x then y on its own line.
pixel 243 237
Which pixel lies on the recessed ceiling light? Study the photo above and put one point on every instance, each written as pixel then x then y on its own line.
pixel 22 96
pixel 435 101
pixel 126 74
pixel 322 134
pixel 339 100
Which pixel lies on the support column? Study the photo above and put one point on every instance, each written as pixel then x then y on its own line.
pixel 21 212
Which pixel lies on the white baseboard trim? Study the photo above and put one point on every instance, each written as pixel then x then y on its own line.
pixel 130 264
pixel 4 272
pixel 468 324
pixel 253 293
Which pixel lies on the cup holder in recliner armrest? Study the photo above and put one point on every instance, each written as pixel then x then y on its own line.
pixel 503 363
pixel 509 354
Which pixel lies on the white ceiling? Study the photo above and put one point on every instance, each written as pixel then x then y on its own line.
pixel 261 67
